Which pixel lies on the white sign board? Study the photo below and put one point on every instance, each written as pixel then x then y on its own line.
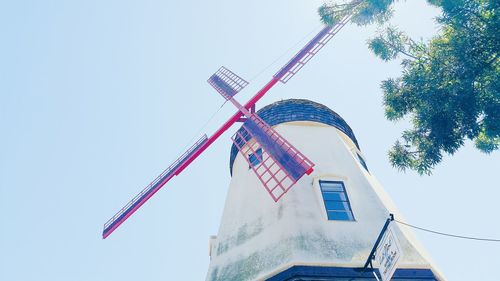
pixel 388 254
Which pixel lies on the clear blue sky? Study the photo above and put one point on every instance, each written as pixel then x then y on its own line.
pixel 98 97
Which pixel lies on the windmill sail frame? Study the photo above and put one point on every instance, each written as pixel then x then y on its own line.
pixel 281 164
pixel 150 189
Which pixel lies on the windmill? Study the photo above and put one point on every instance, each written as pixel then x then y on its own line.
pixel 276 162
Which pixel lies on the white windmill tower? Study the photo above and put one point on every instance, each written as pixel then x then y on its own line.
pixel 325 227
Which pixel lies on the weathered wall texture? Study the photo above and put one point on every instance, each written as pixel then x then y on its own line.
pixel 259 238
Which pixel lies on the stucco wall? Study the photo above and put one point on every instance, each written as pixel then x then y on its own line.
pixel 258 237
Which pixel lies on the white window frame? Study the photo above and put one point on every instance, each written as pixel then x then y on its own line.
pixel 319 196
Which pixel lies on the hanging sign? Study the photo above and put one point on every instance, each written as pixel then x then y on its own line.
pixel 388 254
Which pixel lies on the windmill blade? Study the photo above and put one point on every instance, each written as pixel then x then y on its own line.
pixel 152 188
pixel 226 82
pixel 310 50
pixel 277 164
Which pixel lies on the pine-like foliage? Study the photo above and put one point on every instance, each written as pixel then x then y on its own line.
pixel 449 86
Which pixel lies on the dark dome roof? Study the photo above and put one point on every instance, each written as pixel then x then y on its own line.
pixel 299 110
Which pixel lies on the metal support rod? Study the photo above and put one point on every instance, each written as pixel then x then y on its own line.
pixel 384 229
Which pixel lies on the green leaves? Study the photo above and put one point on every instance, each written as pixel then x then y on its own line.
pixel 363 11
pixel 327 16
pixel 389 44
pixel 373 11
pixel 449 86
pixel 486 144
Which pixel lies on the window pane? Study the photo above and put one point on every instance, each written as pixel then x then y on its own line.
pixel 255 158
pixel 336 206
pixel 331 186
pixel 341 216
pixel 336 196
pixel 336 200
pixel 252 159
pixel 362 161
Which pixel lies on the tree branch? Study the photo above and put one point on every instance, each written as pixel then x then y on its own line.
pixel 398 49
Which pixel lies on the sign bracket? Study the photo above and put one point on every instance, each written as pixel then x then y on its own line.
pixel 371 257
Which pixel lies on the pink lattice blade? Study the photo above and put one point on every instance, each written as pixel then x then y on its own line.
pixel 280 164
pixel 151 189
pixel 226 83
pixel 310 50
